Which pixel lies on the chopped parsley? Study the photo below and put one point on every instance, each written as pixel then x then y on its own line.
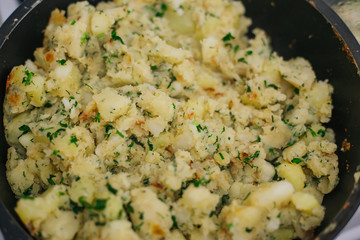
pixel 27 192
pixel 53 135
pixel 107 130
pixel 296 160
pixel 251 157
pixel 172 79
pixel 62 61
pixel 248 53
pixel 99 204
pixel 257 140
pixel 242 60
pixel 97 118
pixel 120 134
pixel 313 133
pixel 162 11
pixel 228 37
pixel 111 189
pixel 85 38
pixel 73 22
pixel 116 38
pixel 247 196
pixel 74 140
pixel 236 48
pixel 296 91
pixel 25 129
pixel 138 227
pixel 151 146
pixel 273 86
pixel 289 108
pixel 27 80
pixel 321 132
pixel 202 182
pixel 50 181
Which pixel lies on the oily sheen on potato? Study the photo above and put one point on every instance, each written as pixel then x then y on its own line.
pixel 162 119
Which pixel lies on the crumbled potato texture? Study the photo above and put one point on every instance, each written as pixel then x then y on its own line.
pixel 162 119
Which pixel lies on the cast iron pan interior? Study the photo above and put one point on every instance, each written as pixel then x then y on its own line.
pixel 296 29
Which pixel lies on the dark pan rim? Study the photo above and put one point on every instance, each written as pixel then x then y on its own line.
pixel 352 48
pixel 340 29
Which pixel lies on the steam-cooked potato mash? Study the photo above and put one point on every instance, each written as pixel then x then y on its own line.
pixel 149 119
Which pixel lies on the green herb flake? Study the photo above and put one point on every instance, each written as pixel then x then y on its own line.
pixel 108 128
pixel 321 132
pixel 111 189
pixel 257 140
pixel 228 37
pixel 202 182
pixel 116 38
pixel 296 91
pixel 146 181
pixel 85 38
pixel 236 48
pixel 172 79
pixel 74 140
pixel 247 196
pixel 97 118
pixel 25 129
pixel 273 86
pixel 27 80
pixel 255 155
pixel 27 191
pixel 100 204
pixel 163 9
pixel 129 208
pixel 313 133
pixel 62 61
pixel 248 53
pixel 120 134
pixel 242 60
pixel 289 108
pixel 175 224
pixel 248 89
pixel 50 181
pixel 73 22
pixel 151 146
pixel 138 227
pixel 296 160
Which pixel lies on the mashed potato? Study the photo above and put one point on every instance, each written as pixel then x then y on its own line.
pixel 146 119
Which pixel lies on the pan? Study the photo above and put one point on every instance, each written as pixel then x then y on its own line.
pixel 297 28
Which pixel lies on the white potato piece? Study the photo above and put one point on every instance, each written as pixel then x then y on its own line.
pixel 111 105
pixel 272 195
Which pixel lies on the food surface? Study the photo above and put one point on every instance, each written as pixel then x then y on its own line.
pixel 146 119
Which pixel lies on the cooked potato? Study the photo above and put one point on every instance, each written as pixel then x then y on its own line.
pixel 147 119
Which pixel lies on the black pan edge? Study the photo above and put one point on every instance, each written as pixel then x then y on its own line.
pixel 352 48
pixel 15 18
pixel 9 225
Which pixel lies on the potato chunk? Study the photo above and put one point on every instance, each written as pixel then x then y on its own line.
pixel 293 173
pixel 270 195
pixel 64 80
pixel 111 105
